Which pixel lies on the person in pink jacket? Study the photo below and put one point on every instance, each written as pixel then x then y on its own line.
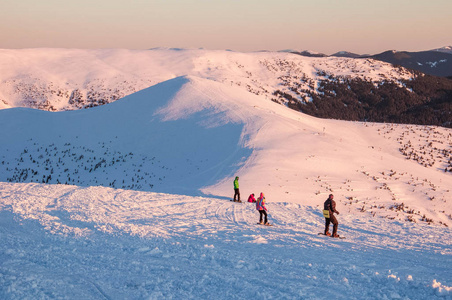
pixel 260 206
pixel 251 198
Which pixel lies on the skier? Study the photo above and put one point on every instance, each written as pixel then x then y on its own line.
pixel 236 190
pixel 251 198
pixel 329 208
pixel 260 206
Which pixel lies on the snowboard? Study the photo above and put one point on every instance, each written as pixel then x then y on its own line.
pixel 339 237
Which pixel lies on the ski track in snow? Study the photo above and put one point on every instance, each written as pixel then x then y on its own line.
pixel 99 243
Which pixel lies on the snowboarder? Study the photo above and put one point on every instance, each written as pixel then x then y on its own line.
pixel 251 198
pixel 260 206
pixel 329 208
pixel 236 190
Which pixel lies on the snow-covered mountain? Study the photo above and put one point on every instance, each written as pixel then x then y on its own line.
pixel 310 53
pixel 131 199
pixel 437 63
pixel 446 49
pixel 191 134
pixel 67 79
pixel 349 54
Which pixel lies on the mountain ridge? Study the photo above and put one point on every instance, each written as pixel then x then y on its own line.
pixel 61 79
pixel 436 63
pixel 433 62
pixel 191 136
pixel 131 199
pixel 329 87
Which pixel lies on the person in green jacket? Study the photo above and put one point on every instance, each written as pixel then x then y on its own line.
pixel 236 190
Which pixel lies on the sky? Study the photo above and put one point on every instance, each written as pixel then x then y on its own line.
pixel 327 26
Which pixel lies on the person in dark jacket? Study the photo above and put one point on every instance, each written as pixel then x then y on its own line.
pixel 236 190
pixel 329 209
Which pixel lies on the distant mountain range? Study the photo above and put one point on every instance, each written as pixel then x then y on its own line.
pixel 330 87
pixel 447 49
pixel 349 54
pixel 437 62
pixel 429 62
pixel 70 79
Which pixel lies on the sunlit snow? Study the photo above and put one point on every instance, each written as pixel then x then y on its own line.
pixel 130 200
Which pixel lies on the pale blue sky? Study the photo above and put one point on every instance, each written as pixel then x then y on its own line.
pixel 243 25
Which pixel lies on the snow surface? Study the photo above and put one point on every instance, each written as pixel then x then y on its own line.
pixel 145 213
pixel 94 243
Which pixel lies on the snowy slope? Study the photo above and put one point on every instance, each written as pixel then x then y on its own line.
pixel 104 145
pixel 189 135
pixel 71 242
pixel 145 212
pixel 66 79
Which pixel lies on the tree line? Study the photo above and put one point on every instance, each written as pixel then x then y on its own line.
pixel 425 100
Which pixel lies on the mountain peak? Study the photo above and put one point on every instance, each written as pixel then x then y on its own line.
pixel 310 53
pixel 346 54
pixel 445 49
